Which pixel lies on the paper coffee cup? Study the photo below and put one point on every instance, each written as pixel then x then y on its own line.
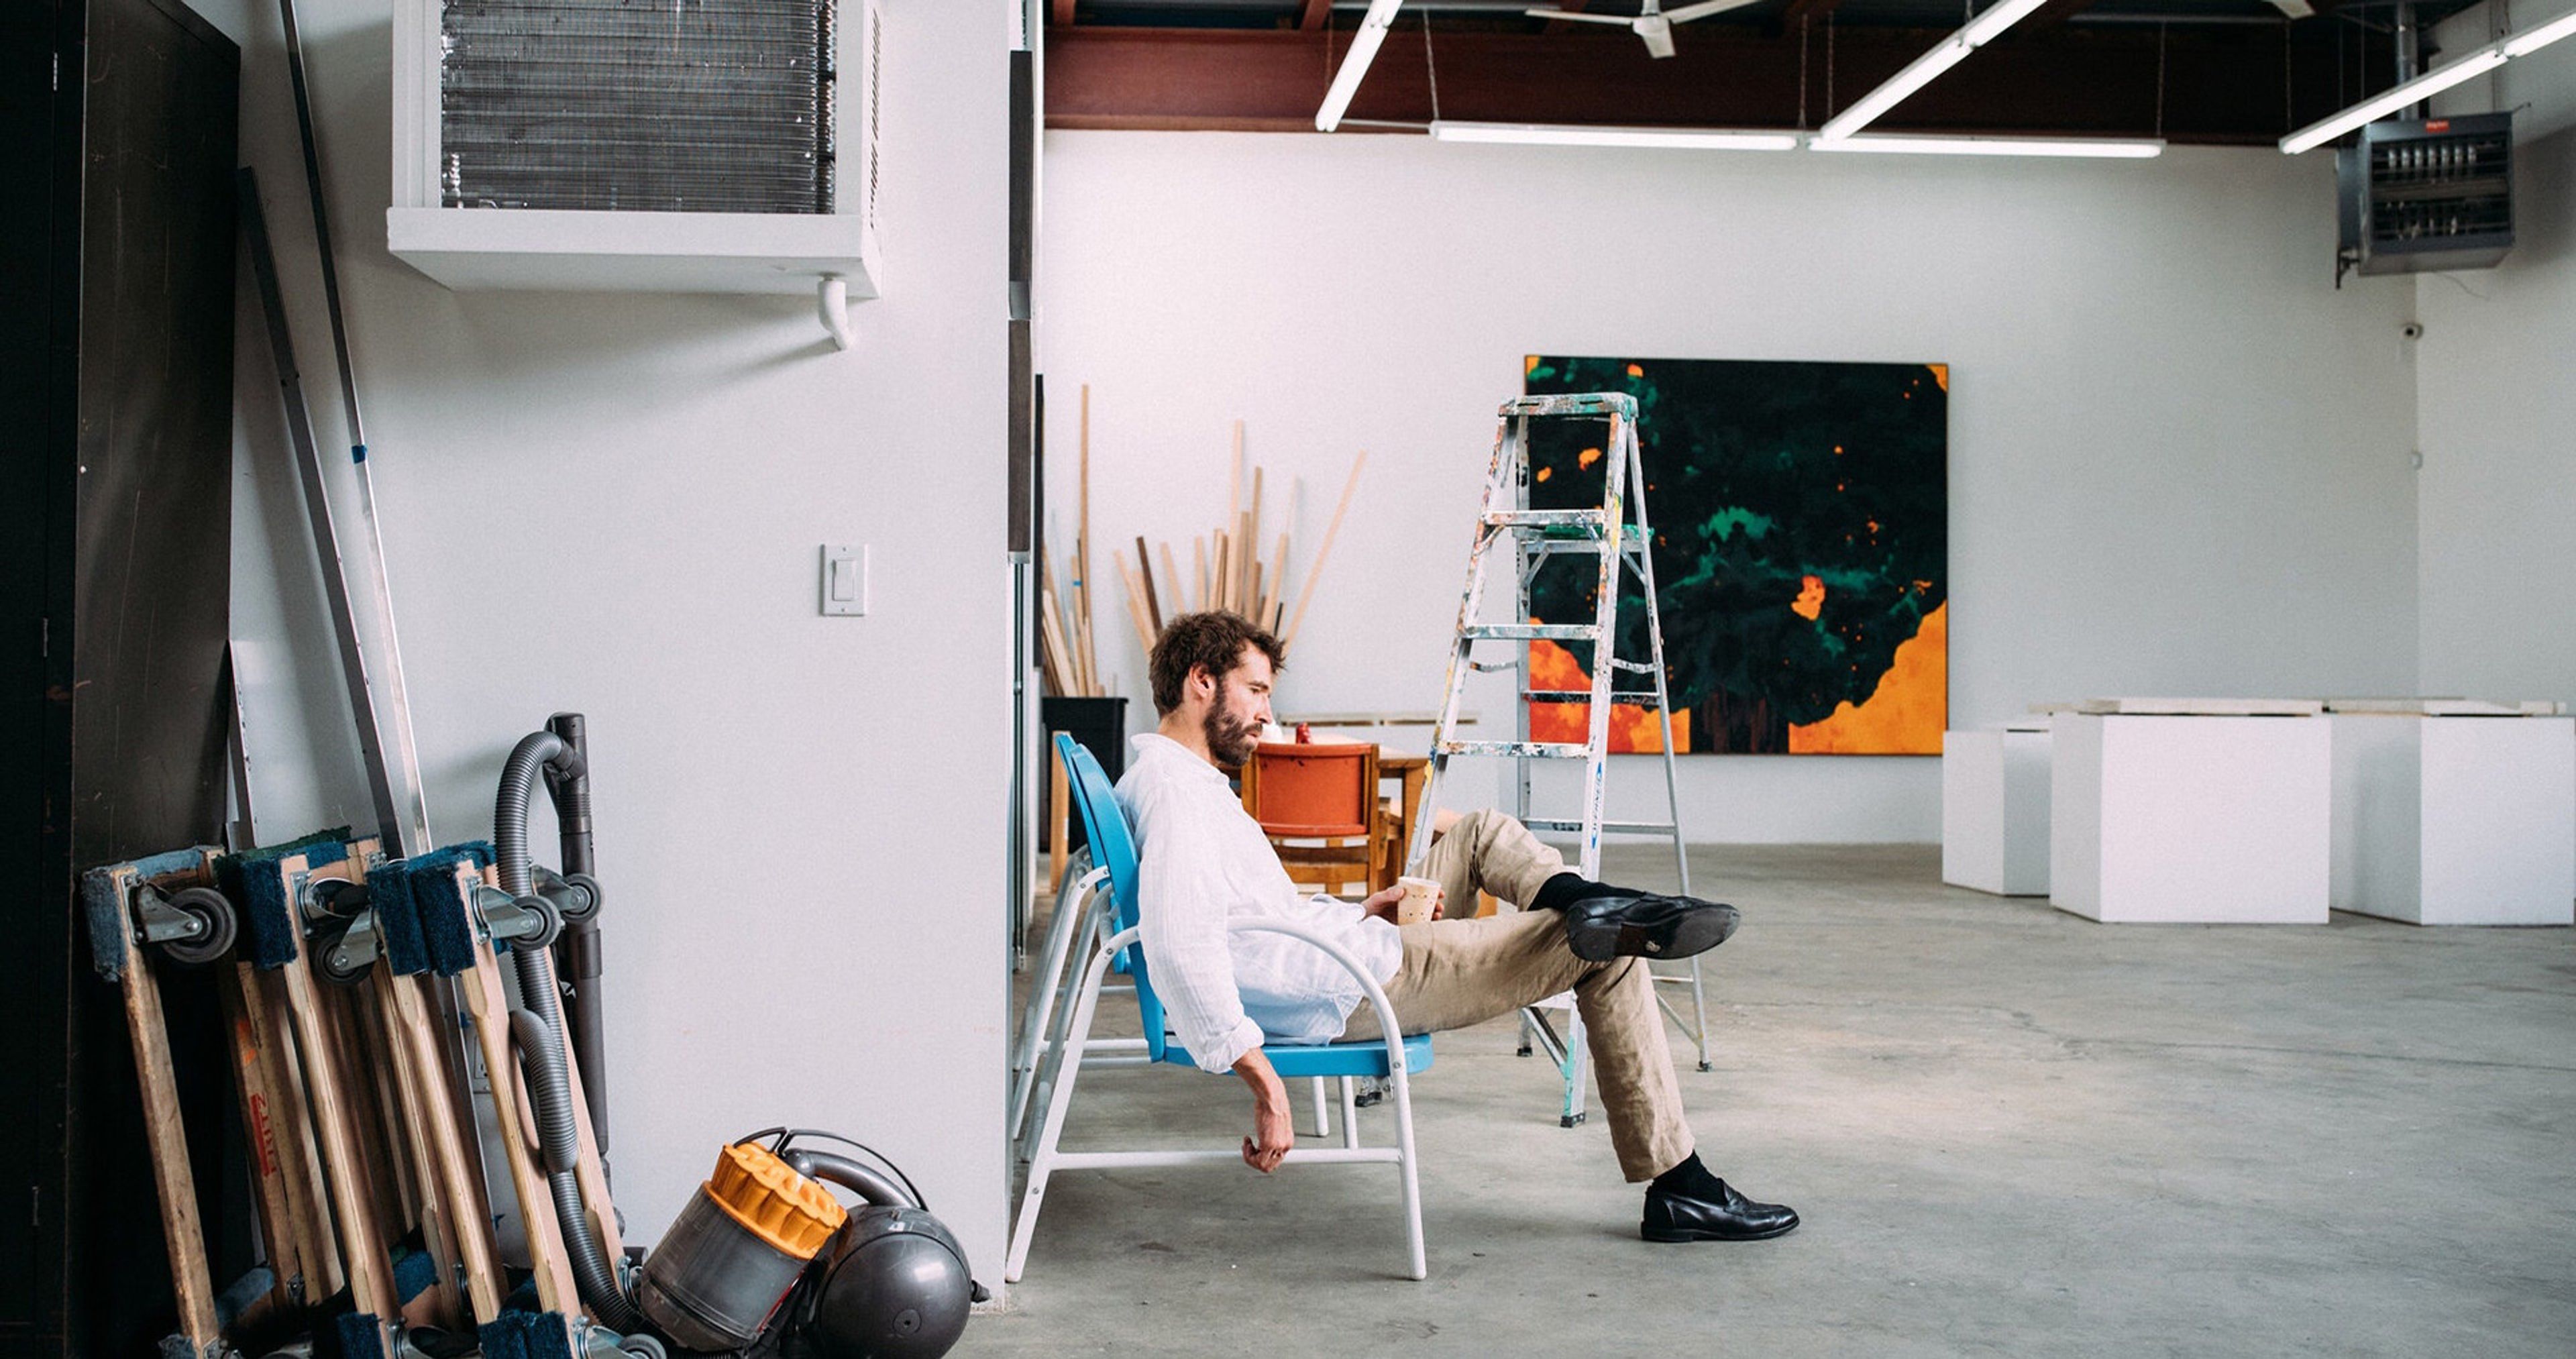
pixel 1421 900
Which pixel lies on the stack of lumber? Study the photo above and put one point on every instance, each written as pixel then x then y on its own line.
pixel 1227 571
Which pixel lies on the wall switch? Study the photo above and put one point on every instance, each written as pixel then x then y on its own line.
pixel 845 579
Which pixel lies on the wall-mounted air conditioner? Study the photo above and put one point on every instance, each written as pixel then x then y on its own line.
pixel 724 146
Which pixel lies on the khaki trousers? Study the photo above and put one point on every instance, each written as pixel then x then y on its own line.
pixel 1459 971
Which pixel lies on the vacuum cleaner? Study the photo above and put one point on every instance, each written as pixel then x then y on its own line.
pixel 764 1260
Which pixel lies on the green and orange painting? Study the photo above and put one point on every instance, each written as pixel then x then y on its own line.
pixel 1801 548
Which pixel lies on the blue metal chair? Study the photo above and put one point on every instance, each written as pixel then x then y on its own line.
pixel 1392 1058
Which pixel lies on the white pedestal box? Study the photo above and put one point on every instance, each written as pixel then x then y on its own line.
pixel 2189 819
pixel 2455 820
pixel 1994 809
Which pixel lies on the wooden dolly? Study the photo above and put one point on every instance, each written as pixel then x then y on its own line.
pixel 268 887
pixel 457 937
pixel 277 1124
pixel 161 901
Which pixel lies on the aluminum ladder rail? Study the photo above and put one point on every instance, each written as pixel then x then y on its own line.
pixel 1536 537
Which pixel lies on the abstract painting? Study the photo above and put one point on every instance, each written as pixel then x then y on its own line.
pixel 1800 514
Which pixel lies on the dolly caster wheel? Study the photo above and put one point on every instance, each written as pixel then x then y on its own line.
pixel 214 937
pixel 550 923
pixel 324 949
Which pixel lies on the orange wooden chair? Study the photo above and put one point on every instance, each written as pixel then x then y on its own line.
pixel 1318 804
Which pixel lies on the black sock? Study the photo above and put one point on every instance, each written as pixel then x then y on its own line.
pixel 1565 889
pixel 1690 1177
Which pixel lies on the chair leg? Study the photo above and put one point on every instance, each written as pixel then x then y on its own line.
pixel 1042 1164
pixel 1052 1055
pixel 1350 1114
pixel 1042 1005
pixel 1322 1128
pixel 1405 1165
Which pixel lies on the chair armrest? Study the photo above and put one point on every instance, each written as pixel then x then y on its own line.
pixel 1385 1009
pixel 1386 1022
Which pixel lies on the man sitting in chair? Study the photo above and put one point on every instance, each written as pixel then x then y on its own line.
pixel 1202 861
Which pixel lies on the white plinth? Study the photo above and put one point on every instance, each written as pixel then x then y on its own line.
pixel 1994 810
pixel 2455 820
pixel 2202 820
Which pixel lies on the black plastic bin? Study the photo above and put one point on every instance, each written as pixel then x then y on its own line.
pixel 1099 725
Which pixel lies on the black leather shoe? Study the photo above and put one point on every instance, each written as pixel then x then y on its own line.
pixel 1673 1215
pixel 1650 926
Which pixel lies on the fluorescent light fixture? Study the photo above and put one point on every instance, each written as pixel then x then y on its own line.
pixel 2523 44
pixel 1561 134
pixel 1917 74
pixel 1993 146
pixel 1355 63
pixel 2430 83
pixel 1923 69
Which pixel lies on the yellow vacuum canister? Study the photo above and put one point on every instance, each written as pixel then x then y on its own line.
pixel 737 1247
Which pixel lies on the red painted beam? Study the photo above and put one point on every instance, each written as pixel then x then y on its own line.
pixel 2222 85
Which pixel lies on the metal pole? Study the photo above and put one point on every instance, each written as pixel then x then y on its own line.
pixel 317 506
pixel 2407 50
pixel 409 832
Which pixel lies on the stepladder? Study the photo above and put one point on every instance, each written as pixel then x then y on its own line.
pixel 1600 554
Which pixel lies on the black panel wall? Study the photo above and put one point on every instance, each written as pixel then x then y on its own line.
pixel 116 327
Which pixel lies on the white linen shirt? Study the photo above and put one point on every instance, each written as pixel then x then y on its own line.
pixel 1202 862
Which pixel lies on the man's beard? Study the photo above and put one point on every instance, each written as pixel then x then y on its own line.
pixel 1230 741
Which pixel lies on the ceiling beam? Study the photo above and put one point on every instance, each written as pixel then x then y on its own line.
pixel 1061 12
pixel 1313 16
pixel 2223 85
pixel 2052 15
pixel 1569 6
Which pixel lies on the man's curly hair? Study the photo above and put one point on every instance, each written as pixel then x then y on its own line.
pixel 1214 639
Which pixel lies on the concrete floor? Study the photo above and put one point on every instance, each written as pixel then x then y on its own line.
pixel 2009 1130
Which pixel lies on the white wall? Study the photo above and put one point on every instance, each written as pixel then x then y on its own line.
pixel 613 504
pixel 2179 457
pixel 2498 405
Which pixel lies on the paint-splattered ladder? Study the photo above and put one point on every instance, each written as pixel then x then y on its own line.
pixel 1536 537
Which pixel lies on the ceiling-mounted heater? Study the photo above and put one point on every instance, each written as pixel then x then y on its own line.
pixel 2415 196
pixel 639 145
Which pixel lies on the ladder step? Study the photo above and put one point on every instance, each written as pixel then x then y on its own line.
pixel 1546 519
pixel 1541 549
pixel 1614 827
pixel 1633 667
pixel 1529 632
pixel 1585 695
pixel 1574 403
pixel 1536 750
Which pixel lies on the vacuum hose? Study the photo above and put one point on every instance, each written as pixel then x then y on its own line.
pixel 540 1030
pixel 577 953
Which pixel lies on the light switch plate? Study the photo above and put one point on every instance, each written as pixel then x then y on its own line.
pixel 845 579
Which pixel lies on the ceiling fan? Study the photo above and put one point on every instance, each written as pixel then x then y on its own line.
pixel 1654 23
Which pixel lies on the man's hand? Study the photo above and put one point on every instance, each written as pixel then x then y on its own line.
pixel 1273 1133
pixel 1383 904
